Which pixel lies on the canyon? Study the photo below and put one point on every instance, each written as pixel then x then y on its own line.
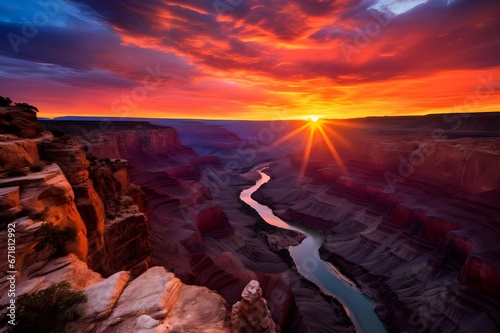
pixel 146 207
pixel 407 212
pixel 199 228
pixel 411 215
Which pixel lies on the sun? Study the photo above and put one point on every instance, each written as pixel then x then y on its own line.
pixel 317 127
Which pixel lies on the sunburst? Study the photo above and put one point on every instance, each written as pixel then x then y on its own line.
pixel 315 124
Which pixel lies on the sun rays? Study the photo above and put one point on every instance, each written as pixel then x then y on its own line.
pixel 314 125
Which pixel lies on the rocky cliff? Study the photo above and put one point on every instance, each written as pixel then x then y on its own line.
pixel 49 183
pixel 117 228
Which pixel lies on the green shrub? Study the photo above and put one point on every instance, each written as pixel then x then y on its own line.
pixel 52 236
pixel 48 310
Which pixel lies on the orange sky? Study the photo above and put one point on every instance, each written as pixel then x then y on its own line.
pixel 255 59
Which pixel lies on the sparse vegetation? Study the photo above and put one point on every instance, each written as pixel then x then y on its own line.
pixel 52 236
pixel 27 107
pixel 5 101
pixel 48 310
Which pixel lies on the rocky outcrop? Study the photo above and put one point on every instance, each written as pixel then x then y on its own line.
pixel 212 220
pixel 18 155
pixel 156 301
pixel 101 188
pixel 46 271
pixel 19 122
pixel 111 235
pixel 127 143
pixel 251 313
pixel 43 196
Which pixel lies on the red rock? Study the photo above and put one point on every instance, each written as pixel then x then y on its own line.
pixel 18 154
pixel 211 220
pixel 19 122
pixel 435 229
pixel 482 273
pixel 203 161
pixel 184 172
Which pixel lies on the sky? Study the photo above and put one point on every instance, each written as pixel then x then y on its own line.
pixel 251 59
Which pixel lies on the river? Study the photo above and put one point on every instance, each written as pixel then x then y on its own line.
pixel 358 306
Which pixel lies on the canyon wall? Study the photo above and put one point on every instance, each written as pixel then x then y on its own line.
pixel 426 247
pixel 50 183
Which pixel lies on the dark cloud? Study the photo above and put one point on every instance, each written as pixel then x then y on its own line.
pixel 180 35
pixel 93 47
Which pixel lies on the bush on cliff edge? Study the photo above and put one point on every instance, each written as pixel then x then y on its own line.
pixel 48 310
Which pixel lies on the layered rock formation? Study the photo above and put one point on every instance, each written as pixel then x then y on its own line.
pixel 50 181
pixel 156 301
pixel 251 313
pixel 19 122
pixel 117 228
pixel 423 246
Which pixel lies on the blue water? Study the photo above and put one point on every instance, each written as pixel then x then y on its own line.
pixel 358 306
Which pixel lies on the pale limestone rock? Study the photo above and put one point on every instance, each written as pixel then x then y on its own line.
pixel 155 302
pixel 198 309
pixel 153 291
pixel 251 315
pixel 146 324
pixel 252 292
pixel 103 296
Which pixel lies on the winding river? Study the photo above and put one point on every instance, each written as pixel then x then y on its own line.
pixel 306 257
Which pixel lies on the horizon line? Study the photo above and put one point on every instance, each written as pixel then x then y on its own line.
pixel 303 118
